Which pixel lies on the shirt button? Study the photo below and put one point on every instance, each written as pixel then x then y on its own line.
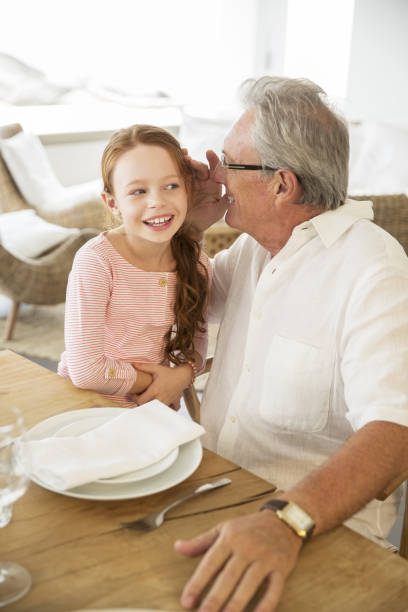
pixel 258 315
pixel 248 367
pixel 233 419
pixel 162 281
pixel 111 372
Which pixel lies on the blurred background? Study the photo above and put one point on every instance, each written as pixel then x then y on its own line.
pixel 196 51
pixel 154 52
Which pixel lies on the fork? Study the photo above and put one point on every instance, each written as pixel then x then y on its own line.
pixel 155 519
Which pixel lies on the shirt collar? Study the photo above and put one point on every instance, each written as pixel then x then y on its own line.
pixel 332 224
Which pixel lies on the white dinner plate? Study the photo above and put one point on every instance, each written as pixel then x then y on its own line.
pixel 188 460
pixel 78 428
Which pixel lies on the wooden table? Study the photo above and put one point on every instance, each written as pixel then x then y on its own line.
pixel 79 558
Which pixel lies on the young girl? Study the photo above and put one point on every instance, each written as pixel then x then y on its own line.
pixel 137 294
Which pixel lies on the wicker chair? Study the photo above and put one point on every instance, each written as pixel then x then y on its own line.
pixel 92 213
pixel 391 213
pixel 42 280
pixel 218 237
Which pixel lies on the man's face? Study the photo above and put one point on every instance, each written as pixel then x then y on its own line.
pixel 268 209
pixel 251 202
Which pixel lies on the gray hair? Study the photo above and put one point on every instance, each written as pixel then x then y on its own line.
pixel 295 128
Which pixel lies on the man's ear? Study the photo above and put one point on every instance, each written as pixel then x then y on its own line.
pixel 110 202
pixel 286 188
pixel 285 183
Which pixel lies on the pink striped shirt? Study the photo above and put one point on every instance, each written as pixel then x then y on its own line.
pixel 116 314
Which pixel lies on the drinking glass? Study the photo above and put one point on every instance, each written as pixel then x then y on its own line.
pixel 15 580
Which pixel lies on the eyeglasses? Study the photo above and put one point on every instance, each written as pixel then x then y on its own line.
pixel 224 164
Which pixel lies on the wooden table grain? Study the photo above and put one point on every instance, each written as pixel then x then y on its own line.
pixel 80 559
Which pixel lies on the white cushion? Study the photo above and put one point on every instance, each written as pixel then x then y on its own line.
pixel 29 166
pixel 76 194
pixel 378 160
pixel 24 234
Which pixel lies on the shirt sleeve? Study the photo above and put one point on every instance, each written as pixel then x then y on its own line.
pixel 374 355
pixel 88 293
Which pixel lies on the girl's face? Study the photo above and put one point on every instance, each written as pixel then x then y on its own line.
pixel 149 193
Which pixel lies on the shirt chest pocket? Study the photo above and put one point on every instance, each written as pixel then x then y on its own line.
pixel 296 385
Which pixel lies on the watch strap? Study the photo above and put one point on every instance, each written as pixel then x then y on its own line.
pixel 275 504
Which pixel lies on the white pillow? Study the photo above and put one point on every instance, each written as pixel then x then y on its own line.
pixel 29 166
pixel 379 159
pixel 24 234
pixel 77 194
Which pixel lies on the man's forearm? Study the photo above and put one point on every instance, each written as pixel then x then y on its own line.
pixel 354 475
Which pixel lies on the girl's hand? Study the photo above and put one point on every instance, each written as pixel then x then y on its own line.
pixel 142 382
pixel 168 383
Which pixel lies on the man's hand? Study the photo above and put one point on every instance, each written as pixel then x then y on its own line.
pixel 168 383
pixel 209 206
pixel 240 555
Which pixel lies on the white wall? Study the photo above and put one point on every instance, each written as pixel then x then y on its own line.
pixel 76 162
pixel 270 37
pixel 378 73
pixel 357 50
pixel 318 40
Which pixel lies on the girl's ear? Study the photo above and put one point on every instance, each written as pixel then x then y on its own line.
pixel 110 202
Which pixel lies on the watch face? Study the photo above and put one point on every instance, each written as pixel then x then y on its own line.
pixel 293 515
pixel 298 517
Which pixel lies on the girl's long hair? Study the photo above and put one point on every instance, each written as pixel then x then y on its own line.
pixel 192 277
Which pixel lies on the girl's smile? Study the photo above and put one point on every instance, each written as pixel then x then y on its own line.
pixel 158 224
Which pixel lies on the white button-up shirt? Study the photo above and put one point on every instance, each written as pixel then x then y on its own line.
pixel 313 344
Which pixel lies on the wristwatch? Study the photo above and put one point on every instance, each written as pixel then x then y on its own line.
pixel 293 515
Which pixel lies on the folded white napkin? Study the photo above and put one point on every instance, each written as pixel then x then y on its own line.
pixel 135 439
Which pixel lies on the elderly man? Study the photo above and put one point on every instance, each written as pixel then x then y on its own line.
pixel 309 385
